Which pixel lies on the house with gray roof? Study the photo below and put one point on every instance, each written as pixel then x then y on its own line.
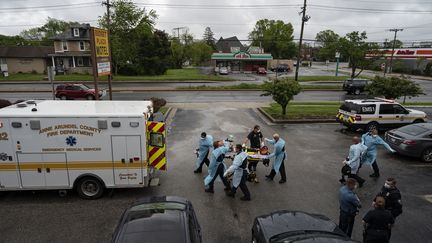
pixel 24 59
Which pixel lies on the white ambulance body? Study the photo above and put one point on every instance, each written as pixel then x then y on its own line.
pixel 82 145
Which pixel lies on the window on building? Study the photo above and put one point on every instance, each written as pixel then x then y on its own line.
pixel 64 45
pixel 81 46
pixel 80 62
pixel 76 32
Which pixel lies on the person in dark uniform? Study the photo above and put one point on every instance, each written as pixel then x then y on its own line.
pixel 255 138
pixel 238 169
pixel 392 196
pixel 377 223
pixel 349 205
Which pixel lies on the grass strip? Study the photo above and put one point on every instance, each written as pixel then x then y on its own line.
pixel 296 111
pixel 246 86
pixel 171 74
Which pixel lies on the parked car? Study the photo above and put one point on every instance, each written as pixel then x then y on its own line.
pixel 223 71
pixel 167 219
pixel 355 86
pixel 296 226
pixel 76 91
pixel 261 70
pixel 281 68
pixel 377 113
pixel 413 140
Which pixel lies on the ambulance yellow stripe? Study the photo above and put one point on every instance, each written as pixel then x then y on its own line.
pixel 70 166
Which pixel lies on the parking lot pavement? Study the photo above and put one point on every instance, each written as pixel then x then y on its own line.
pixel 313 165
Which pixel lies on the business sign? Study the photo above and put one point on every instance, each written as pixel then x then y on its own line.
pixel 101 42
pixel 103 68
pixel 403 53
pixel 101 52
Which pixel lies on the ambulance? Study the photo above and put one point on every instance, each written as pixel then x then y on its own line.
pixel 88 146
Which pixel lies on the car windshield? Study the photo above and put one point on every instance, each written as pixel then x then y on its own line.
pixel 413 130
pixel 84 87
pixel 159 205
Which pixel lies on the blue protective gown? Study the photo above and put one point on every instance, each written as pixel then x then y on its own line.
pixel 235 167
pixel 371 142
pixel 355 153
pixel 205 144
pixel 278 153
pixel 214 164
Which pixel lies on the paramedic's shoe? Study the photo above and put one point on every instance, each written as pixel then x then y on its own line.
pixel 374 175
pixel 281 181
pixel 245 198
pixel 256 180
pixel 209 190
pixel 342 181
pixel 268 178
pixel 227 189
pixel 197 171
pixel 230 194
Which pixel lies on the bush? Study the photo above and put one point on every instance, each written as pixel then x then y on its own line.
pixel 34 72
pixel 428 69
pixel 416 72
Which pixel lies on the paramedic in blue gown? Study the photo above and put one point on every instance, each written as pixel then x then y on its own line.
pixel 239 178
pixel 217 166
pixel 279 156
pixel 205 144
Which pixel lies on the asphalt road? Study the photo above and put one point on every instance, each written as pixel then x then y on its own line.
pixel 313 165
pixel 209 96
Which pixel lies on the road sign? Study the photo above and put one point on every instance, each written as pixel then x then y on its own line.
pixel 337 55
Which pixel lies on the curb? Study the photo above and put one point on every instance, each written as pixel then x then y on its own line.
pixel 161 90
pixel 294 121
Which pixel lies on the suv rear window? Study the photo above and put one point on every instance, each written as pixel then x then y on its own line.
pixel 413 130
pixel 357 108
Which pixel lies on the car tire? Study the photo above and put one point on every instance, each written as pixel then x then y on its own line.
pixel 90 97
pixel 372 125
pixel 418 121
pixel 90 188
pixel 426 155
pixel 357 92
pixel 63 97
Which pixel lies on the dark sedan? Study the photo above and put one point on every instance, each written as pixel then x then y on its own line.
pixel 296 226
pixel 413 140
pixel 158 219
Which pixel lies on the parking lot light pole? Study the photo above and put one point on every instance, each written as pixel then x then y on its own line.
pixel 305 18
pixel 337 55
pixel 393 48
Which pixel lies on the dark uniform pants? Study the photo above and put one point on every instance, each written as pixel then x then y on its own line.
pixel 204 161
pixel 346 222
pixel 243 186
pixel 376 236
pixel 357 178
pixel 375 168
pixel 281 171
pixel 220 173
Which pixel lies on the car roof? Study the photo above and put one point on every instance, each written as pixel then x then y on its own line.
pixel 154 225
pixel 286 221
pixel 372 101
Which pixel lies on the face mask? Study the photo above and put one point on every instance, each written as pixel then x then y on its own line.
pixel 386 185
pixel 374 135
pixel 258 130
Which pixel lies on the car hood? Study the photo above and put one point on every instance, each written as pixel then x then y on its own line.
pixel 286 221
pixel 416 112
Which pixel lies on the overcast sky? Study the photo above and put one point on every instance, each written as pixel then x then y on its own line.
pixel 237 17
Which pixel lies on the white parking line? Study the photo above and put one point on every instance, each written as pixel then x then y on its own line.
pixel 428 198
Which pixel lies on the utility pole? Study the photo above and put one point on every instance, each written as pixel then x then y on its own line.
pixel 178 31
pixel 305 18
pixel 108 5
pixel 393 47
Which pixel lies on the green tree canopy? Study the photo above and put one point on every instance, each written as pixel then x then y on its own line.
pixel 200 52
pixel 329 42
pixel 394 87
pixel 45 32
pixel 275 37
pixel 208 38
pixel 154 54
pixel 354 48
pixel 15 41
pixel 129 24
pixel 282 91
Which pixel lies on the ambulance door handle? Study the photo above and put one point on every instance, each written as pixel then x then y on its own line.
pixel 39 170
pixel 380 116
pixel 48 170
pixel 123 160
pixel 397 116
pixel 130 160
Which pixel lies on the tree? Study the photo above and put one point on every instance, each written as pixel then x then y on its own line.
pixel 14 41
pixel 328 40
pixel 208 38
pixel 154 54
pixel 282 91
pixel 50 29
pixel 200 52
pixel 394 87
pixel 354 47
pixel 129 24
pixel 181 49
pixel 275 37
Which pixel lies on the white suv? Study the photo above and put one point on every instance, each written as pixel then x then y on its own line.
pixel 377 113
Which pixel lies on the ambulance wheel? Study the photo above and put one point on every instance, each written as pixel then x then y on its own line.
pixel 90 188
pixel 418 121
pixel 372 125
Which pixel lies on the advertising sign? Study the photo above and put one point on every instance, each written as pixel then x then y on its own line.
pixel 103 68
pixel 101 42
